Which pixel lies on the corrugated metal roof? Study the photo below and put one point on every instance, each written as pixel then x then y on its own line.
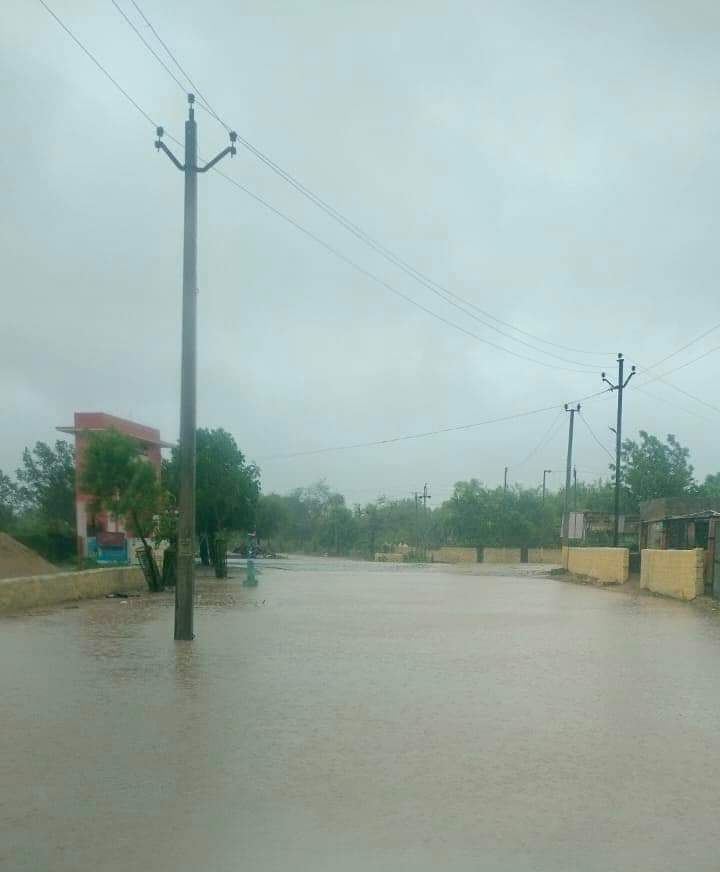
pixel 693 516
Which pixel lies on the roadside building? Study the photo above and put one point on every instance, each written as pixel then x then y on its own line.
pixel 683 523
pixel 586 527
pixel 107 539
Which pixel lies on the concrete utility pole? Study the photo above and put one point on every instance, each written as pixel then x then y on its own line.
pixel 568 468
pixel 505 481
pixel 425 497
pixel 545 473
pixel 185 586
pixel 417 524
pixel 619 387
pixel 575 489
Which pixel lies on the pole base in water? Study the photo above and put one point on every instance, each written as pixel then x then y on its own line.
pixel 251 575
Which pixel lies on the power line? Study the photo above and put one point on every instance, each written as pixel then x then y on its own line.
pixel 337 253
pixel 664 401
pixel 682 348
pixel 313 236
pixel 198 92
pixel 669 384
pixel 682 366
pixel 439 290
pixel 405 438
pixel 428 433
pixel 147 45
pixel 544 440
pixel 98 64
pixel 152 121
pixel 592 433
pixel 434 287
pixel 352 227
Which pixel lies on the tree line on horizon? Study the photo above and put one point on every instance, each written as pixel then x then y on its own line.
pixel 37 505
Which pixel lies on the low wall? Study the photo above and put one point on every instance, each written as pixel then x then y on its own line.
pixel 501 555
pixel 453 554
pixel 678 574
pixel 48 590
pixel 606 565
pixel 390 557
pixel 545 555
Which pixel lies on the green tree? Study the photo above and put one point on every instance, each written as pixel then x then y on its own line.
pixel 653 469
pixel 271 516
pixel 123 483
pixel 227 487
pixel 710 488
pixel 9 500
pixel 46 485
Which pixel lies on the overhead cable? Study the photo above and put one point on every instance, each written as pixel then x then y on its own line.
pixel 683 347
pixel 439 290
pixel 544 440
pixel 407 437
pixel 98 64
pixel 592 433
pixel 316 238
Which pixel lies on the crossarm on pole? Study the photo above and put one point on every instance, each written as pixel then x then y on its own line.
pixel 160 146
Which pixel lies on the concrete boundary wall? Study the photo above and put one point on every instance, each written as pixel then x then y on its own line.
pixel 47 590
pixel 679 574
pixel 501 555
pixel 453 554
pixel 545 555
pixel 606 565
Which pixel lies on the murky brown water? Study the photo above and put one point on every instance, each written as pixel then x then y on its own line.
pixel 364 717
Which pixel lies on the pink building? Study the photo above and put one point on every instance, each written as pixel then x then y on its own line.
pixel 148 438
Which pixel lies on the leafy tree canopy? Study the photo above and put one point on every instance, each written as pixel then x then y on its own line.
pixel 9 500
pixel 652 469
pixel 227 486
pixel 46 485
pixel 121 480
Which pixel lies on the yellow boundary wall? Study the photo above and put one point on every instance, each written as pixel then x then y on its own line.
pixel 47 590
pixel 454 554
pixel 545 555
pixel 606 565
pixel 679 574
pixel 501 555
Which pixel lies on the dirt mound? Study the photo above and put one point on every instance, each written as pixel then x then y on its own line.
pixel 16 560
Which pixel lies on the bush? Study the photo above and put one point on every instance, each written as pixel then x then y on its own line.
pixel 55 547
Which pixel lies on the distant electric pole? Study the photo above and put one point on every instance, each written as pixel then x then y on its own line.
pixel 568 468
pixel 425 497
pixel 504 508
pixel 417 523
pixel 545 473
pixel 185 586
pixel 575 488
pixel 619 387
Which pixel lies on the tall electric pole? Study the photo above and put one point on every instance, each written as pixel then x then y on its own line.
pixel 568 468
pixel 505 481
pixel 545 473
pixel 622 383
pixel 185 586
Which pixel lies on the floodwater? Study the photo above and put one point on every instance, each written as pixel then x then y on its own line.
pixel 347 716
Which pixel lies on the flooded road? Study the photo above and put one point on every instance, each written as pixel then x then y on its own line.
pixel 346 716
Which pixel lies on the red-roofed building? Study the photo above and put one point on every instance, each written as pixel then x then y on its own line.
pixel 148 438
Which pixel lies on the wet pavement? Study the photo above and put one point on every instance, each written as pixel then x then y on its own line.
pixel 348 716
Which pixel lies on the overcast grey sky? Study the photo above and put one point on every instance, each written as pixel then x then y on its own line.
pixel 556 163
